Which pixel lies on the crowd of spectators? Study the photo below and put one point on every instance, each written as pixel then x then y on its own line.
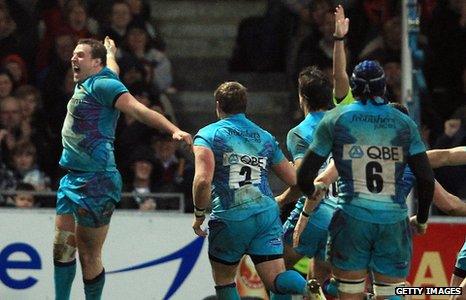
pixel 37 39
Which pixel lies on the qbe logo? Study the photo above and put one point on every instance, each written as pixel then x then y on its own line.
pixel 444 291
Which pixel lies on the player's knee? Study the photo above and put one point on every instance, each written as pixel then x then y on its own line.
pixel 64 248
pixel 89 259
pixel 388 290
pixel 351 286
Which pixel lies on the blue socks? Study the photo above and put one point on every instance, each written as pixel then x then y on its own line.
pixel 330 287
pixel 290 282
pixel 93 287
pixel 63 276
pixel 226 292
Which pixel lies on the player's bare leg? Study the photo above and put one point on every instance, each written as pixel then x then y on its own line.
pixel 90 242
pixel 224 278
pixel 321 270
pixel 290 256
pixel 279 281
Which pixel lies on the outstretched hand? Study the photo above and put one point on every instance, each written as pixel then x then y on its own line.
pixel 110 46
pixel 341 23
pixel 180 135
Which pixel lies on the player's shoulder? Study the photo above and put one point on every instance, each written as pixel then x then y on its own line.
pixel 335 113
pixel 255 129
pixel 209 129
pixel 103 79
pixel 295 130
pixel 305 127
pixel 399 116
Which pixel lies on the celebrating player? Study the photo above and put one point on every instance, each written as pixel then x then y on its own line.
pixel 90 190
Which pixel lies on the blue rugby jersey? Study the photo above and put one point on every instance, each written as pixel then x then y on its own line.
pixel 298 140
pixel 243 154
pixel 370 144
pixel 89 128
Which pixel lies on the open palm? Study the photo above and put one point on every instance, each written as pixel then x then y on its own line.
pixel 341 23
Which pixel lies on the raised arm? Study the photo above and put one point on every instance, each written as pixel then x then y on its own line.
pixel 340 77
pixel 447 157
pixel 111 52
pixel 127 104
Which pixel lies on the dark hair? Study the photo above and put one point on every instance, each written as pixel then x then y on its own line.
pixel 98 49
pixel 70 5
pixel 23 186
pixel 142 153
pixel 24 147
pixel 5 71
pixel 314 87
pixel 400 107
pixel 26 90
pixel 231 97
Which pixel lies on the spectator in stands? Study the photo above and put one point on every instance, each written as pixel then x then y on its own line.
pixel 158 67
pixel 10 122
pixel 140 182
pixel 386 44
pixel 55 95
pixel 16 65
pixel 73 19
pixel 7 178
pixel 25 167
pixel 132 134
pixel 281 24
pixel 23 197
pixel 445 60
pixel 140 11
pixel 452 178
pixel 8 40
pixel 392 69
pixel 172 172
pixel 318 52
pixel 26 17
pixel 120 17
pixel 34 122
pixel 454 130
pixel 7 83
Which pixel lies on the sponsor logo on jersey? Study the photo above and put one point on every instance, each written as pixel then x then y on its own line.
pixel 244 159
pixel 373 152
pixel 249 135
pixel 379 121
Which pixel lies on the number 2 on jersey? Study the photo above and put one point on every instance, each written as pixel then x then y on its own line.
pixel 246 171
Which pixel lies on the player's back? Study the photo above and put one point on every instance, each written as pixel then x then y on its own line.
pixel 243 154
pixel 371 144
pixel 298 140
